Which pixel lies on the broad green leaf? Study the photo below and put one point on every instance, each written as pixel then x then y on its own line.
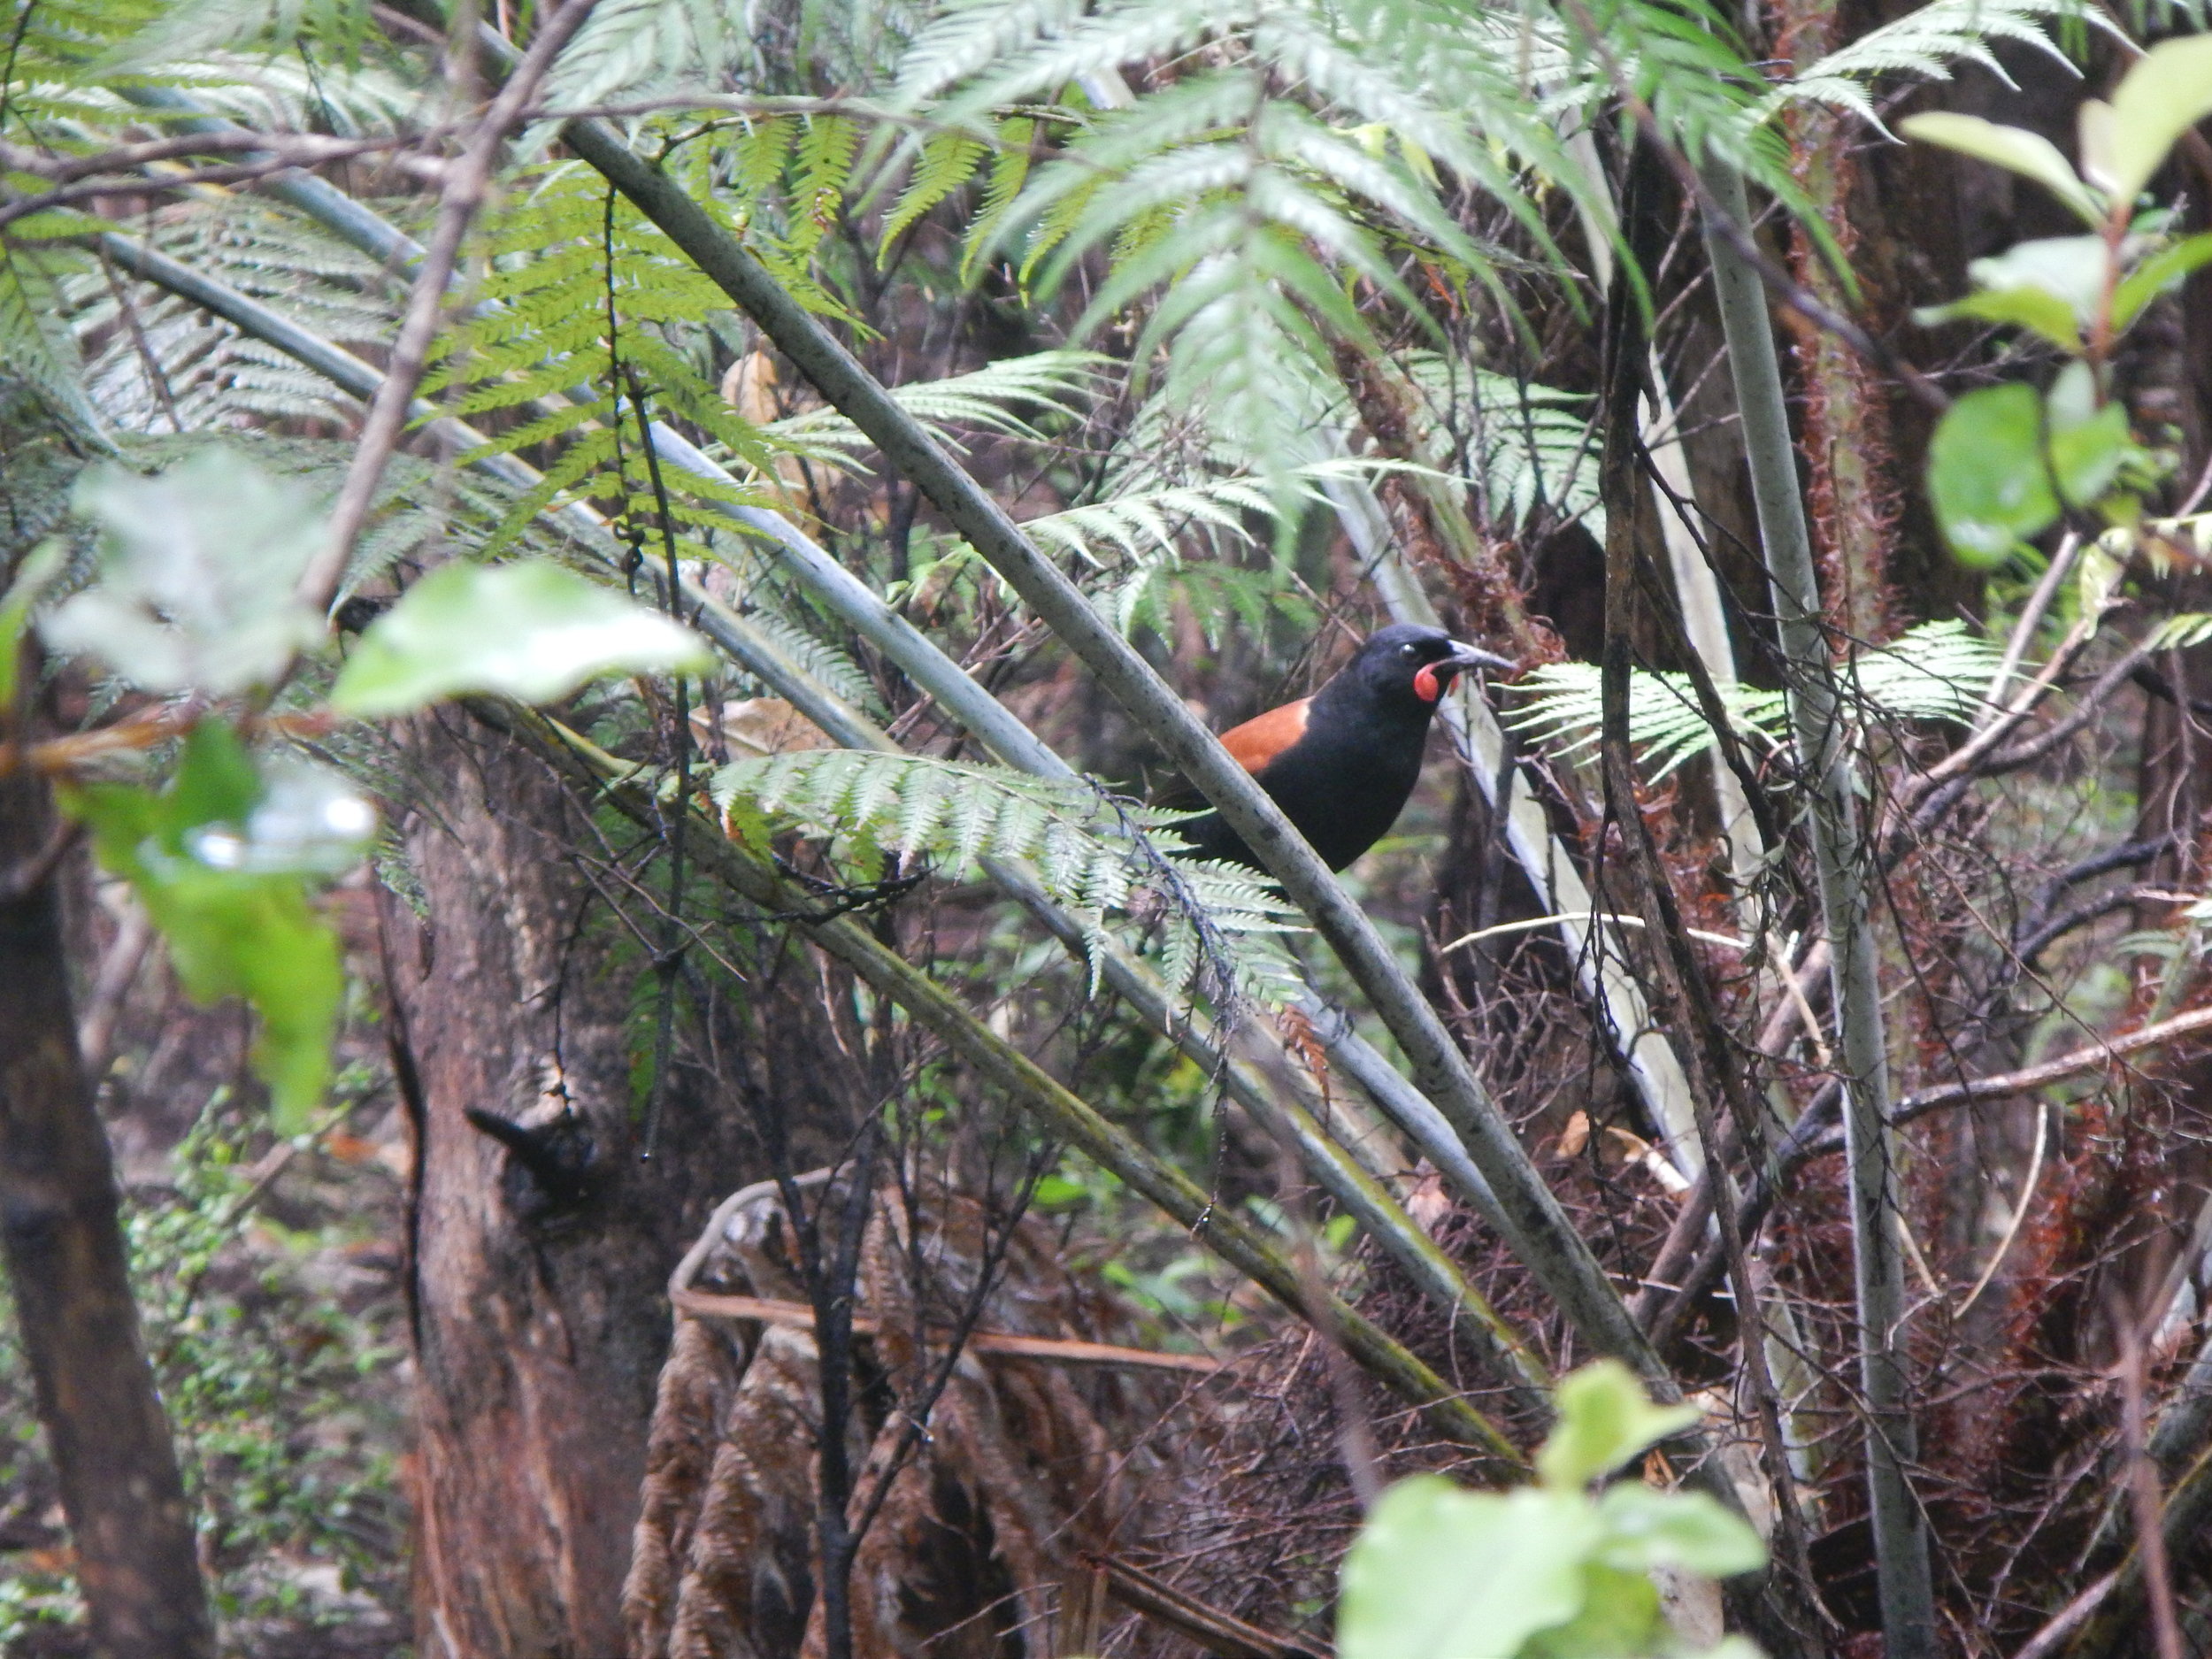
pixel 1605 1419
pixel 306 821
pixel 259 938
pixel 216 857
pixel 1439 1573
pixel 2035 309
pixel 2029 154
pixel 2156 275
pixel 1987 476
pixel 1620 1619
pixel 197 572
pixel 2070 269
pixel 531 631
pixel 2089 444
pixel 43 564
pixel 2093 126
pixel 2053 284
pixel 2167 92
pixel 1688 1531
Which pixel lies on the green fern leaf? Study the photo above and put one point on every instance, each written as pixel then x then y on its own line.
pixel 947 162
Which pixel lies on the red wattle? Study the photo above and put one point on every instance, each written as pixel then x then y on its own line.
pixel 1425 686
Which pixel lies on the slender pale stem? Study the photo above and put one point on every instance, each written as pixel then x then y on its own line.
pixel 1842 861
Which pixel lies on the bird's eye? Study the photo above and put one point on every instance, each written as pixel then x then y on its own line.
pixel 1409 649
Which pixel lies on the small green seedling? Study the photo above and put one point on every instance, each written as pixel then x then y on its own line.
pixel 1547 1571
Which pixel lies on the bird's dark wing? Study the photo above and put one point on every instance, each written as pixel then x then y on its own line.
pixel 1252 745
pixel 1258 740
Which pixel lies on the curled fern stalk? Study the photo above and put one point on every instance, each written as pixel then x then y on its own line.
pixel 1077 838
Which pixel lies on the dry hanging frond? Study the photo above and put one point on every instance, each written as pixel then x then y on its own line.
pixel 1027 1464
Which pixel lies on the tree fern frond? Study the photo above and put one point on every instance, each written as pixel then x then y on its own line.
pixel 1048 382
pixel 190 28
pixel 37 348
pixel 1240 189
pixel 956 816
pixel 970 35
pixel 1148 523
pixel 943 165
pixel 822 162
pixel 630 46
pixel 1001 191
pixel 824 662
pixel 1223 599
pixel 1940 671
pixel 1531 449
pixel 1061 51
pixel 151 355
pixel 1562 708
pixel 1138 535
pixel 1925 44
pixel 284 94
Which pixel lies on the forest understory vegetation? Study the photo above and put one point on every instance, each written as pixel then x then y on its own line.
pixel 604 1048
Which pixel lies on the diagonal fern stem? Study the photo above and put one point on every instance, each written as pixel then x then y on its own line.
pixel 1841 859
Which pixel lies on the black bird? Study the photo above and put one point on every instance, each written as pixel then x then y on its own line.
pixel 1342 763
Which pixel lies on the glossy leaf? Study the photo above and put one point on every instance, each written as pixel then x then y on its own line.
pixel 1439 1573
pixel 1687 1530
pixel 2053 285
pixel 1620 1619
pixel 31 579
pixel 531 631
pixel 2029 154
pixel 1544 1572
pixel 2035 309
pixel 197 571
pixel 2088 443
pixel 1605 1419
pixel 2092 128
pixel 2070 269
pixel 1987 476
pixel 217 859
pixel 2158 275
pixel 2167 92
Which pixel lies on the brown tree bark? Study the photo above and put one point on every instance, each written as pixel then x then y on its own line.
pixel 537 1264
pixel 66 1266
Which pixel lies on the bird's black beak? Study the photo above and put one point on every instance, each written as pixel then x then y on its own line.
pixel 1465 656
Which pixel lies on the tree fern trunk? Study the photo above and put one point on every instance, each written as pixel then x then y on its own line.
pixel 1846 446
pixel 539 1321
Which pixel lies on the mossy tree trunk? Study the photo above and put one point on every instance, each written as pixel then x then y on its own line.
pixel 538 1264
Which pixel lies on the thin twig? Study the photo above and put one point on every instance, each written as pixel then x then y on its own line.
pixel 799 1316
pixel 2143 1493
pixel 2019 1210
pixel 299 149
pixel 234 173
pixel 36 871
pixel 2088 1058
